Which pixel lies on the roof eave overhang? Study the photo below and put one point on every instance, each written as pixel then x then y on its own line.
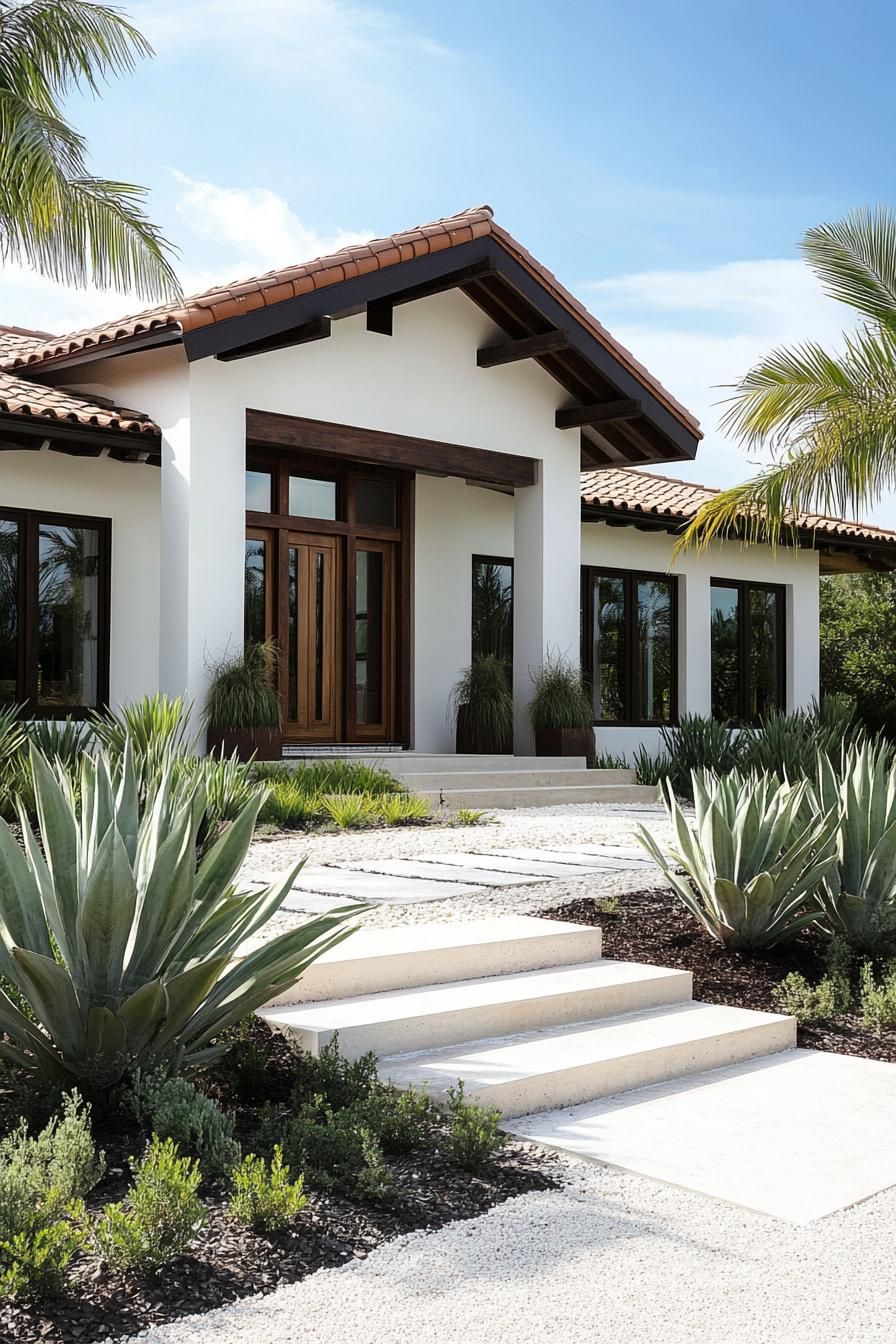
pixel 871 554
pixel 450 268
pixel 30 431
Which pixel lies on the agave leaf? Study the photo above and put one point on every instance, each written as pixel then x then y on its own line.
pixel 49 988
pixel 164 903
pixel 185 994
pixel 59 832
pixel 223 861
pixel 143 1014
pixel 106 1041
pixel 107 914
pixel 22 922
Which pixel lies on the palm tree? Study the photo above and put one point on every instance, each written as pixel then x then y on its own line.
pixel 54 215
pixel 829 419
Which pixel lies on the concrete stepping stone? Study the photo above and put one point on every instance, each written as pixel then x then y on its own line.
pixel 535 863
pixel 598 863
pixel 797 1135
pixel 448 868
pixel 378 888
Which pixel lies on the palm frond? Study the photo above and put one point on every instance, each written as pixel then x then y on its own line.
pixel 856 261
pixel 54 215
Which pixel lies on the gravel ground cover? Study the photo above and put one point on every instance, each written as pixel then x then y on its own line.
pixel 607 1257
pixel 578 824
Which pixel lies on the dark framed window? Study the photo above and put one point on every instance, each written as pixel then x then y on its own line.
pixel 630 645
pixel 54 613
pixel 747 642
pixel 492 613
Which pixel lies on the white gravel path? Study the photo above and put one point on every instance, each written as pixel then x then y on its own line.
pixel 578 824
pixel 608 1258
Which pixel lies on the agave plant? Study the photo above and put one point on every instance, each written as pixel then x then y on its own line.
pixel 752 869
pixel 126 952
pixel 699 742
pixel 859 895
pixel 157 728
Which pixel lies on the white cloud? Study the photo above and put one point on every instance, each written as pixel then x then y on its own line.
pixel 255 225
pixel 357 58
pixel 252 230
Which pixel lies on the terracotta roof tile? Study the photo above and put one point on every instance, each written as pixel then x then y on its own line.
pixel 222 302
pixel 627 490
pixel 20 397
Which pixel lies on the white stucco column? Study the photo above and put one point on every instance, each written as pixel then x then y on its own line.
pixel 546 576
pixel 203 525
pixel 694 651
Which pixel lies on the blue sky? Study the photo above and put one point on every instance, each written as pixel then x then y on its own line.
pixel 662 158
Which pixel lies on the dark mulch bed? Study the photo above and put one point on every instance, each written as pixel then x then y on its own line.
pixel 653 927
pixel 228 1261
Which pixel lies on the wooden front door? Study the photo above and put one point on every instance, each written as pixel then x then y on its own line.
pixel 311 631
pixel 324 579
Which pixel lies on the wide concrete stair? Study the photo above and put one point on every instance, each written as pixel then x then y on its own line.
pixel 508 781
pixel 525 1010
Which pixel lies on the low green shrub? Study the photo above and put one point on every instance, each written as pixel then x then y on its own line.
pixel 228 784
pixel 608 905
pixel 472 816
pixel 33 1264
pixel 654 769
pixel 160 1216
pixel 288 804
pixel 403 1122
pixel 877 998
pixel 400 809
pixel 347 810
pixel 264 1198
pixel 606 760
pixel 43 1179
pixel 698 742
pixel 375 1184
pixel 807 1003
pixel 340 1081
pixel 173 1108
pixel 474 1136
pixel 748 868
pixel 325 1143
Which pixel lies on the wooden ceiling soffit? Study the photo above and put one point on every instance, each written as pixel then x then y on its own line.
pixel 267 428
pixel 318 329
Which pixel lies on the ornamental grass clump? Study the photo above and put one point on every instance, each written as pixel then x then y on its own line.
pixel 481 708
pixel 698 742
pixel 752 866
pixel 559 699
pixel 241 691
pixel 124 947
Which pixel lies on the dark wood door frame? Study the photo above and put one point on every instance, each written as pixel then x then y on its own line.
pixel 348 534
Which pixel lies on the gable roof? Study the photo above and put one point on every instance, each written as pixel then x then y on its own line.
pixel 666 431
pixel 635 495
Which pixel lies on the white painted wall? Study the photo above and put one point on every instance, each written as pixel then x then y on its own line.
pixel 128 494
pixel 178 553
pixel 797 570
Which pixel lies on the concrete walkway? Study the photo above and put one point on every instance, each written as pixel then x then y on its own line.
pixel 437 877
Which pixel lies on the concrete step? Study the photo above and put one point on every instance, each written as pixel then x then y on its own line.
pixel 431 780
pixel 432 1016
pixel 373 961
pixel 517 795
pixel 563 1066
pixel 412 762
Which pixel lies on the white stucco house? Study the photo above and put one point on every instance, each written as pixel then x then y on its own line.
pixel 391 460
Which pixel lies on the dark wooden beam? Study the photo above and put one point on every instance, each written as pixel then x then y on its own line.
pixel 318 329
pixel 530 347
pixel 379 316
pixel 266 428
pixel 600 413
